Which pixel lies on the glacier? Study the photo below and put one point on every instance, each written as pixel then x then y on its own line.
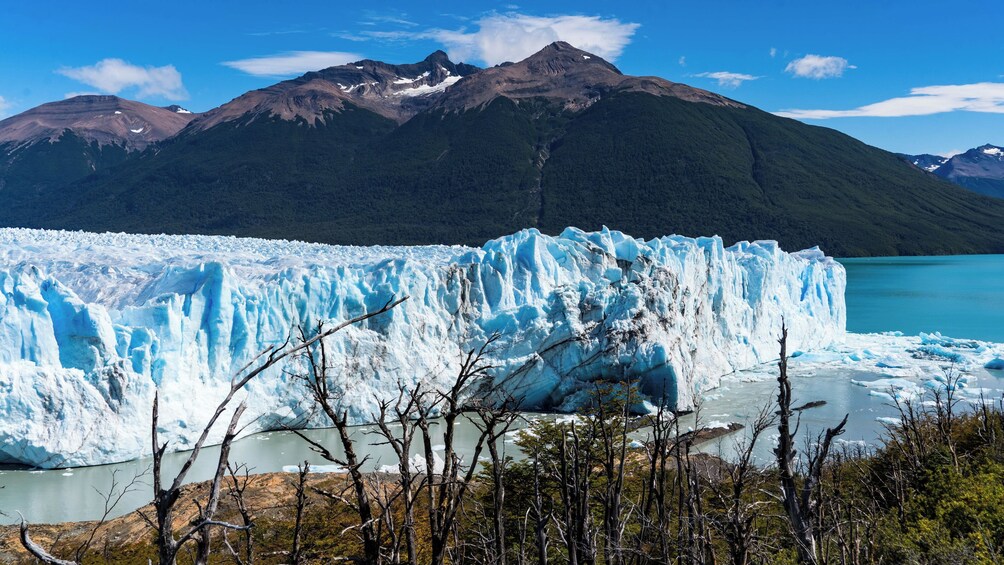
pixel 92 325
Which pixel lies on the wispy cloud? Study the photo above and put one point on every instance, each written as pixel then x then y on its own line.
pixel 513 36
pixel 350 36
pixel 817 66
pixel 728 79
pixel 277 32
pixel 76 93
pixel 391 20
pixel 773 52
pixel 986 97
pixel 5 106
pixel 393 17
pixel 682 61
pixel 510 36
pixel 292 62
pixel 112 76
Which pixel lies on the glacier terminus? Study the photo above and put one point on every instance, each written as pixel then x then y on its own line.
pixel 92 325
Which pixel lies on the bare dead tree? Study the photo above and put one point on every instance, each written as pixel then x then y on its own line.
pixel 402 410
pixel 385 494
pixel 37 551
pixel 494 421
pixel 945 403
pixel 738 524
pixel 296 552
pixel 111 499
pixel 574 471
pixel 447 488
pixel 240 479
pixel 612 414
pixel 801 502
pixel 697 543
pixel 318 384
pixel 542 512
pixel 166 498
pixel 654 515
pixel 853 519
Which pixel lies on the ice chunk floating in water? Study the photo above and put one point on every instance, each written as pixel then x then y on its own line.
pixel 92 325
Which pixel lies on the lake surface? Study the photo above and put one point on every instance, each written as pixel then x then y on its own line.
pixel 958 296
pixel 75 494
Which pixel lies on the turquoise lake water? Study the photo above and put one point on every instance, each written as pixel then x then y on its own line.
pixel 958 295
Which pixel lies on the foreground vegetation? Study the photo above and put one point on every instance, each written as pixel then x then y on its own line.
pixel 586 493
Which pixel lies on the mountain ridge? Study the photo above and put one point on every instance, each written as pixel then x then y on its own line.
pixel 561 138
pixel 980 169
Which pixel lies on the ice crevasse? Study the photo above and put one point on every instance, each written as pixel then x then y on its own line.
pixel 91 325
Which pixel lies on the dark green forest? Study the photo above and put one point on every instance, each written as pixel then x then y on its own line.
pixel 643 164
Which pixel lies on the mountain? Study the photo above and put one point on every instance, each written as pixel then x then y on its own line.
pixel 396 92
pixel 927 162
pixel 106 120
pixel 572 78
pixel 438 152
pixel 980 169
pixel 60 142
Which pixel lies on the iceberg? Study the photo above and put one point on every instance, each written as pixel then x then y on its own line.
pixel 93 325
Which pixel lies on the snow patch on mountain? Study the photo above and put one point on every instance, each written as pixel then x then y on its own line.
pixel 425 89
pixel 91 325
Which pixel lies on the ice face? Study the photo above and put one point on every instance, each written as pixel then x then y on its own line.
pixel 92 325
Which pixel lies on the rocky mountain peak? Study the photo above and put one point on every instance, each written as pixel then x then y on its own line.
pixel 560 57
pixel 565 74
pixel 991 151
pixel 980 169
pixel 397 92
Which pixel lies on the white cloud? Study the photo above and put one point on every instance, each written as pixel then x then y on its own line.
pixel 4 107
pixel 986 97
pixel 80 93
pixel 728 80
pixel 112 76
pixel 773 52
pixel 513 36
pixel 292 62
pixel 817 66
pixel 683 61
pixel 390 20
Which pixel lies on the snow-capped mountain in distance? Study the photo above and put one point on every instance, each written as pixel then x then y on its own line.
pixel 980 169
pixel 178 109
pixel 928 162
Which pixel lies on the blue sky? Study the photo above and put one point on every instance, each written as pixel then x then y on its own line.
pixel 906 76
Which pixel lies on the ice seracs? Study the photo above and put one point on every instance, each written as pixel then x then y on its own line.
pixel 92 325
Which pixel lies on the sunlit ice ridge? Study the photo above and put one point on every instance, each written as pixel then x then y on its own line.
pixel 92 325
